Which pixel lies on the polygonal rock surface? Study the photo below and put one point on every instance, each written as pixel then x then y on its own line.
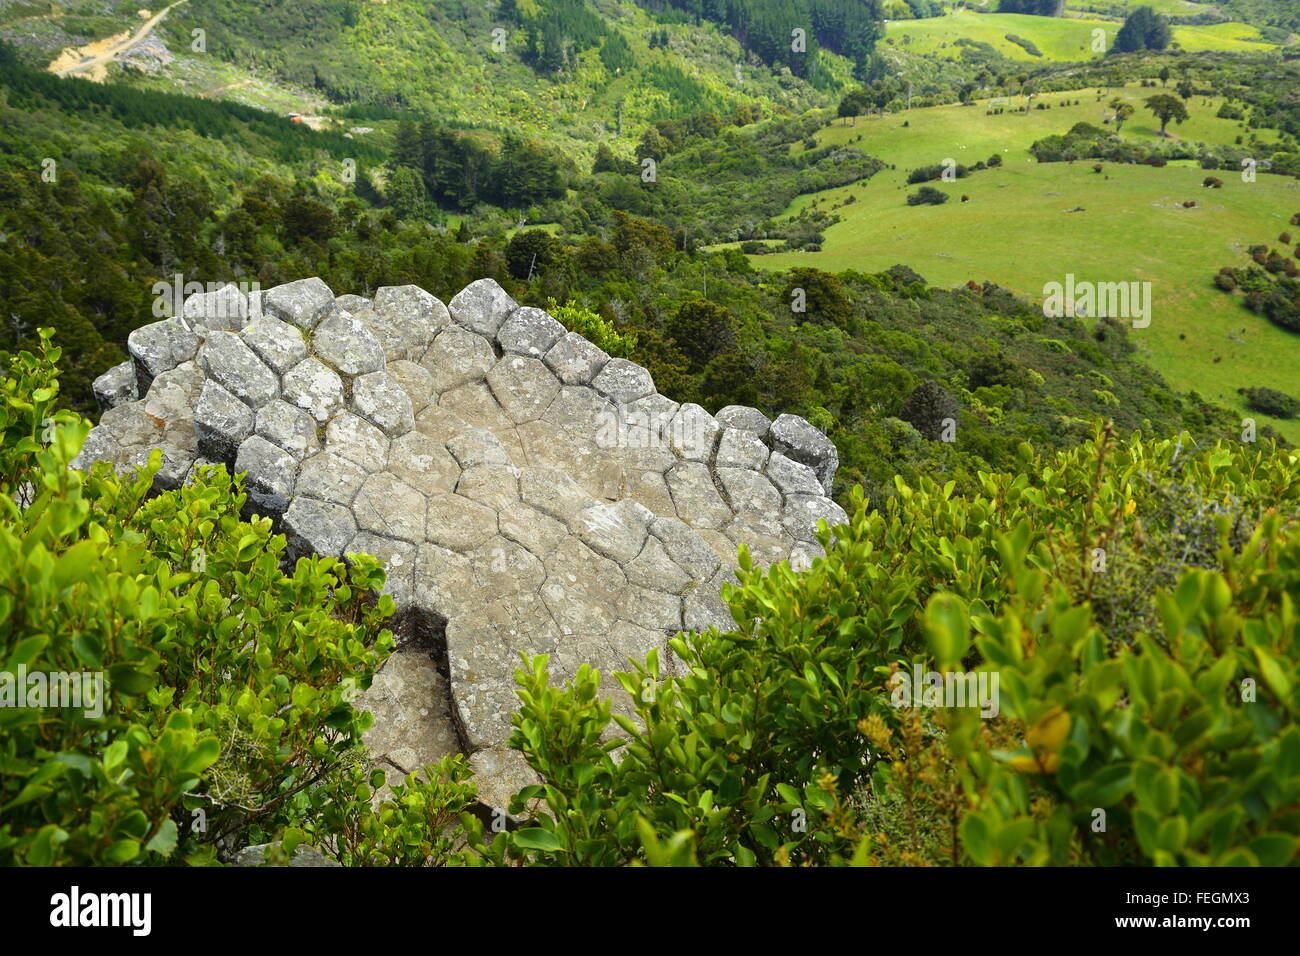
pixel 271 472
pixel 795 438
pixel 523 387
pixel 303 303
pixel 225 309
pixel 547 501
pixel 358 441
pixel 381 401
pixel 574 360
pixel 289 427
pixel 345 344
pixel 738 448
pixel 277 343
pixel 802 513
pixel 314 387
pixel 742 416
pixel 221 422
pixel 692 433
pixel 406 319
pixel 317 527
pixel 622 382
pixel 228 361
pixel 116 386
pixel 387 506
pixel 159 347
pixel 791 477
pixel 482 307
pixel 456 357
pixel 529 332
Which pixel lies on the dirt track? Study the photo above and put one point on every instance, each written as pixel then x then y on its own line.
pixel 73 61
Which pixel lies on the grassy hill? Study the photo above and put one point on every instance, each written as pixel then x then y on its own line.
pixel 1132 227
pixel 1058 39
pixel 360 64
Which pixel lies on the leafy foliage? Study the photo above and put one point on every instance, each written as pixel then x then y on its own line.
pixel 225 715
pixel 1175 727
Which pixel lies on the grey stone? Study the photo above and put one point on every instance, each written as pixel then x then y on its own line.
pixel 316 388
pixel 704 607
pixel 221 422
pixel 574 360
pixel 388 506
pixel 477 446
pixel 351 303
pixel 289 427
pixel 380 400
pixel 330 477
pixel 791 477
pixel 303 303
pixel 116 386
pixel 746 490
pixel 423 463
pixel 457 523
pixel 271 473
pixel 685 547
pixel 529 332
pixel 653 568
pixel 744 417
pixel 738 448
pixel 358 441
pixel 234 366
pixel 277 343
pixel 303 856
pixel 344 343
pixel 159 347
pixel 415 381
pixel 496 486
pixel 622 381
pixel 411 704
pixel 802 512
pixel 695 496
pixel 317 527
pixel 523 387
pixel 458 357
pixel 222 310
pixel 616 531
pixel 798 440
pixel 482 307
pixel 692 433
pixel 415 316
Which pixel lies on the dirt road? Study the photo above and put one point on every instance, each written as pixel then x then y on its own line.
pixel 93 58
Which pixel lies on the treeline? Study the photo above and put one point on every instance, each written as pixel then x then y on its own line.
pixel 458 172
pixel 1038 8
pixel 32 90
pixel 850 28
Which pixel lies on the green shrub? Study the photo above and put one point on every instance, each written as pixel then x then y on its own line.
pixel 596 330
pixel 1123 592
pixel 1269 401
pixel 227 713
pixel 927 195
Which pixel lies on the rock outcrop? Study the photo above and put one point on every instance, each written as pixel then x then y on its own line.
pixel 525 491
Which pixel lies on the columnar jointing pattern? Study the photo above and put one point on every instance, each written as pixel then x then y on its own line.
pixel 518 483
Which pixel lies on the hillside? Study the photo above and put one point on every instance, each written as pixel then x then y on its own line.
pixel 621 433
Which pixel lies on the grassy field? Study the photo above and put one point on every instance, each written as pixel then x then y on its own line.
pixel 1132 228
pixel 1058 39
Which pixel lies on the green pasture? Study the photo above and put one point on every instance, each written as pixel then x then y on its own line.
pixel 1017 229
pixel 1059 39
